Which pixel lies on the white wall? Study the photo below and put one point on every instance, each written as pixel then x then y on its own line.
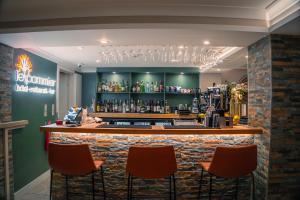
pixel 233 75
pixel 207 80
pixel 74 89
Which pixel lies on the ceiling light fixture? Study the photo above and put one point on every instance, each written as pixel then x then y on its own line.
pixel 246 56
pixel 206 42
pixel 104 41
pixel 80 48
pixel 181 73
pixel 218 69
pixel 147 72
pixel 114 72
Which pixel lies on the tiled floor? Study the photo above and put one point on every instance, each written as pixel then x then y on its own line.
pixel 36 191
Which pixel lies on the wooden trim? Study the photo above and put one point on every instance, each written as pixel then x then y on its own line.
pixel 143 115
pixel 91 128
pixel 13 124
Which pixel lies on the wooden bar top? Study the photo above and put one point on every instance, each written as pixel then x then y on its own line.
pixel 143 115
pixel 91 128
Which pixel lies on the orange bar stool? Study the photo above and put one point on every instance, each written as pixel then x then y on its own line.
pixel 231 163
pixel 151 163
pixel 73 160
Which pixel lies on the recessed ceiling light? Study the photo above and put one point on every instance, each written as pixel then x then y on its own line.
pixel 181 73
pixel 104 41
pixel 147 72
pixel 181 47
pixel 114 72
pixel 80 48
pixel 97 61
pixel 206 42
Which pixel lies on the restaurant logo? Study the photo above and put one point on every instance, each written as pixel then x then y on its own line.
pixel 26 82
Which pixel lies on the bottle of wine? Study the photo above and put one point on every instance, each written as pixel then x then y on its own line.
pixel 167 107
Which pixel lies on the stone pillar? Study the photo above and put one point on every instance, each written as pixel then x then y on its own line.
pixel 6 71
pixel 274 85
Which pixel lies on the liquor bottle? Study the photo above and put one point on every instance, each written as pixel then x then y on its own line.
pixel 138 88
pixel 147 87
pixel 126 87
pixel 161 86
pixel 134 88
pixel 142 87
pixel 123 107
pixel 167 107
pixel 132 106
pixel 99 87
pixel 162 108
pixel 138 106
pixel 148 108
pixel 98 107
pixel 152 87
pixel 156 87
pixel 123 86
pixel 157 107
pixel 127 109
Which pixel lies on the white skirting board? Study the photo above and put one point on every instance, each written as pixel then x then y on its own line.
pixel 27 188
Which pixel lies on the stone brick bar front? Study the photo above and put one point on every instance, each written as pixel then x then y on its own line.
pixel 113 148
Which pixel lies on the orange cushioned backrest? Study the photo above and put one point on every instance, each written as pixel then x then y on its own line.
pixel 233 162
pixel 151 162
pixel 69 159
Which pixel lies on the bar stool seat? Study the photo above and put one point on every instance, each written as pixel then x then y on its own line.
pixel 74 160
pixel 231 163
pixel 151 163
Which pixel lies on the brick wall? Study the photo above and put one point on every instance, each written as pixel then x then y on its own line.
pixel 284 169
pixel 274 94
pixel 259 107
pixel 6 71
pixel 114 148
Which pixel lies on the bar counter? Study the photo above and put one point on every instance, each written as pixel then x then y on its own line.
pixel 92 128
pixel 112 144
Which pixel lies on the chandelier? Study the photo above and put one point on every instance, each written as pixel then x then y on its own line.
pixel 198 56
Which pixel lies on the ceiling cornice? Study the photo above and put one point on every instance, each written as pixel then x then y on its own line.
pixel 281 12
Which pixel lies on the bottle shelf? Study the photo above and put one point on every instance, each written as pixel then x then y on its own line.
pixel 113 92
pixel 179 93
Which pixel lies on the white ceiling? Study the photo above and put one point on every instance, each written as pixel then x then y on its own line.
pixel 54 29
pixel 62 46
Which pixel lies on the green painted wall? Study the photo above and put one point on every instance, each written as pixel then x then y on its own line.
pixel 29 157
pixel 89 82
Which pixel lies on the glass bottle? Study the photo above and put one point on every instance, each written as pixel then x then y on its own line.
pixel 161 86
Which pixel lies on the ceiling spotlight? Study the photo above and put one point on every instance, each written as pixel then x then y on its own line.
pixel 97 61
pixel 181 47
pixel 147 72
pixel 114 72
pixel 104 41
pixel 181 73
pixel 80 48
pixel 206 42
